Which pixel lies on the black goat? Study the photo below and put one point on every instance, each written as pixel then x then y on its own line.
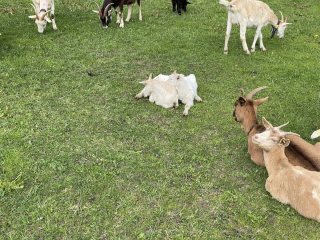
pixel 108 5
pixel 178 5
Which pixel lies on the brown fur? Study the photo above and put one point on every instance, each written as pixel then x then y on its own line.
pixel 289 184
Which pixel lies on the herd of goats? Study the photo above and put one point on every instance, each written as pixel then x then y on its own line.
pixel 293 164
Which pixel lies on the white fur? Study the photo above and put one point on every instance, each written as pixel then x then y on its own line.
pixel 184 86
pixel 161 92
pixel 42 18
pixel 315 134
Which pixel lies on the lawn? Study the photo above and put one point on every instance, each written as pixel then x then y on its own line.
pixel 80 158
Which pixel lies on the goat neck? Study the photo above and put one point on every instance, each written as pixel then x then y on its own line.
pixel 275 160
pixel 250 122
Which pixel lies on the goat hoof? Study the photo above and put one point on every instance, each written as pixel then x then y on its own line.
pixel 253 50
pixel 248 52
pixel 263 49
pixel 225 52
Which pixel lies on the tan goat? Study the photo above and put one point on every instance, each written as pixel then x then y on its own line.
pixel 288 184
pixel 245 112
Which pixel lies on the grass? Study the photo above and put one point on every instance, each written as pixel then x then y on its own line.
pixel 85 160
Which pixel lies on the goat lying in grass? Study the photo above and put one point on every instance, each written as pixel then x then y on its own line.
pixel 245 112
pixel 252 13
pixel 161 90
pixel 187 89
pixel 288 184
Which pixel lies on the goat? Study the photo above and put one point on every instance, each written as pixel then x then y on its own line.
pixel 245 112
pixel 44 13
pixel 106 9
pixel 286 183
pixel 161 92
pixel 187 89
pixel 177 5
pixel 249 13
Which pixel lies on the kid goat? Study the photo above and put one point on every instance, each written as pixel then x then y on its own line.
pixel 160 91
pixel 44 10
pixel 245 112
pixel 288 184
pixel 106 9
pixel 249 13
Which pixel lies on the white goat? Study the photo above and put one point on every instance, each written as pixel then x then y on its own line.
pixel 288 184
pixel 249 13
pixel 187 89
pixel 161 92
pixel 44 10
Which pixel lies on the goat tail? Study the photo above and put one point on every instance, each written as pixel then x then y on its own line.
pixel 225 3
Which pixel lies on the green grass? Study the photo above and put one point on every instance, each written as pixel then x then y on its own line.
pixel 85 160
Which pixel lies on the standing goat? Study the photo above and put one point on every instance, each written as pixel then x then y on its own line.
pixel 44 12
pixel 287 183
pixel 249 13
pixel 177 5
pixel 106 10
pixel 245 112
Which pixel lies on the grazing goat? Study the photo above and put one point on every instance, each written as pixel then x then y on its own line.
pixel 161 92
pixel 106 9
pixel 245 112
pixel 177 5
pixel 44 13
pixel 187 89
pixel 249 13
pixel 288 184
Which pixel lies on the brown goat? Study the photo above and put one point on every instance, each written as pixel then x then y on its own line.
pixel 245 112
pixel 288 184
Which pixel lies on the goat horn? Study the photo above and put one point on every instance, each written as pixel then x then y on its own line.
pixel 281 16
pixel 150 76
pixel 34 7
pixel 281 126
pixel 241 91
pixel 266 123
pixel 254 92
pixel 105 9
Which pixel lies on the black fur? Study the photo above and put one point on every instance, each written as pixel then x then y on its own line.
pixel 104 18
pixel 177 5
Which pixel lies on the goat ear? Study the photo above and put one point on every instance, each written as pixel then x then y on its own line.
pixel 95 11
pixel 260 101
pixel 266 124
pixel 284 142
pixel 33 16
pixel 242 101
